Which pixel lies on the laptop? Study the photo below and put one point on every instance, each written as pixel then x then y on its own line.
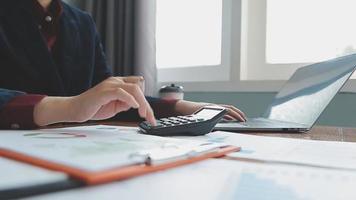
pixel 303 98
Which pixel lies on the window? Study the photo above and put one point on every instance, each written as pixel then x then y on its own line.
pixel 188 33
pixel 307 31
pixel 282 35
pixel 190 38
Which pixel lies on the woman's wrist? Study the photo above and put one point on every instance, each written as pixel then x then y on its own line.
pixel 184 107
pixel 53 110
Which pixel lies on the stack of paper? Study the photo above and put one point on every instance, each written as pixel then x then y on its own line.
pixel 225 179
pixel 285 150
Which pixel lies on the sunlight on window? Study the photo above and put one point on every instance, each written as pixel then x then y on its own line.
pixel 304 31
pixel 188 33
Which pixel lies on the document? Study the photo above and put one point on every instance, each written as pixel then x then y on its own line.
pixel 296 151
pixel 218 179
pixel 93 148
pixel 19 175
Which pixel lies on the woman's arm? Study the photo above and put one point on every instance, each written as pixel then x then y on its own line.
pixel 103 101
pixel 114 95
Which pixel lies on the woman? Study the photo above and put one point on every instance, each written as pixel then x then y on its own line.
pixel 53 69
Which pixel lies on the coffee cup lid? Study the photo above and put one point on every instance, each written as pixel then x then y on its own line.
pixel 171 88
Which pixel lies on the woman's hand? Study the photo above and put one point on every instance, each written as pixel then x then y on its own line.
pixel 138 80
pixel 188 107
pixel 114 95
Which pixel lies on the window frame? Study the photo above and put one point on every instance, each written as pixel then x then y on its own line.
pixel 241 71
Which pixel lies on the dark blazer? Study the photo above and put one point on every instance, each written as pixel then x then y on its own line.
pixel 26 65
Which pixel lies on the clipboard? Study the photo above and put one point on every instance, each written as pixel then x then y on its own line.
pixel 121 173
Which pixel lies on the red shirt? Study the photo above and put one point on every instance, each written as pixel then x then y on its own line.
pixel 18 113
pixel 48 21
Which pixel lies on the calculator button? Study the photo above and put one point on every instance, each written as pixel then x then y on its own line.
pixel 200 120
pixel 174 118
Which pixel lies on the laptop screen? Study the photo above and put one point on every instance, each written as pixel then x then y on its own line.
pixel 310 89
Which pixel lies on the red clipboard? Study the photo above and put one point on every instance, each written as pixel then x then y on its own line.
pixel 92 178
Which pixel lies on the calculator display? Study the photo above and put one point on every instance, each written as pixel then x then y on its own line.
pixel 208 113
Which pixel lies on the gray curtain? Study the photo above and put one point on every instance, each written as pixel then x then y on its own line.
pixel 127 30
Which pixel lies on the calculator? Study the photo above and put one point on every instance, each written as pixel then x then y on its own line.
pixel 199 123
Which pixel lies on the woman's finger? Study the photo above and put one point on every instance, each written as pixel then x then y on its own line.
pixel 229 118
pixel 133 79
pixel 127 98
pixel 139 80
pixel 144 109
